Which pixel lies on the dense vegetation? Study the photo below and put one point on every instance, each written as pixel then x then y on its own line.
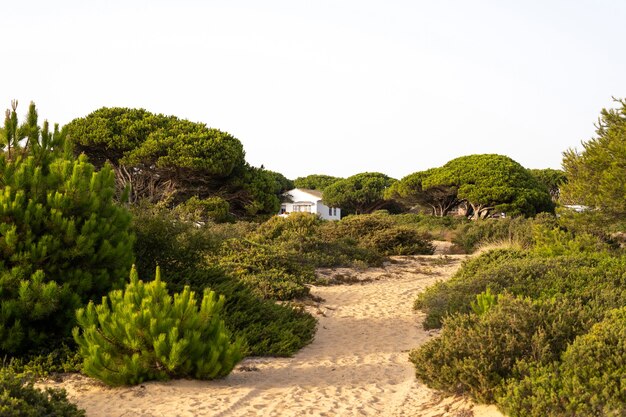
pixel 143 333
pixel 19 398
pixel 479 184
pixel 164 158
pixel 538 327
pixel 64 240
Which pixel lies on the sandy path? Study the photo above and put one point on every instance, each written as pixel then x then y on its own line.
pixel 357 365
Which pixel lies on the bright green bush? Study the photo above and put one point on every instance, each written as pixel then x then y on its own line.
pixel 64 242
pixel 19 398
pixel 589 380
pixel 143 333
pixel 476 354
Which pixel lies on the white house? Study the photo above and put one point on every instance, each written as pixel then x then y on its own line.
pixel 307 201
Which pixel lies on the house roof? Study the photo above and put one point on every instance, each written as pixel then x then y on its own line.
pixel 316 193
pixel 288 197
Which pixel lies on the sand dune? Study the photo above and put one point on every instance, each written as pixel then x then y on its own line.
pixel 356 366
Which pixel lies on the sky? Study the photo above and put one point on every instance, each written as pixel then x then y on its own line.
pixel 331 87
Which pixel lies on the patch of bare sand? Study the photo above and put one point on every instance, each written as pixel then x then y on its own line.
pixel 357 365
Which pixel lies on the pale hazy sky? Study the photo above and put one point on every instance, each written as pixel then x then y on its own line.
pixel 333 87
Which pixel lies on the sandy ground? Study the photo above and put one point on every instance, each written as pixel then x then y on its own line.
pixel 357 365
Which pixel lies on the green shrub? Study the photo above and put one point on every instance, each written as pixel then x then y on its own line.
pixel 589 380
pixel 476 354
pixel 64 242
pixel 597 279
pixel 59 360
pixel 469 236
pixel 181 250
pixel 313 242
pixel 143 333
pixel 267 328
pixel 270 272
pixel 484 302
pixel 166 241
pixel 210 209
pixel 555 241
pixel 399 241
pixel 439 227
pixel 380 234
pixel 456 294
pixel 19 398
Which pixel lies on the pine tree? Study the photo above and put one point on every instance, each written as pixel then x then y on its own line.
pixel 63 241
pixel 143 333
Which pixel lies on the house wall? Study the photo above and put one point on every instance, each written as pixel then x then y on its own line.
pixel 323 212
pixel 317 208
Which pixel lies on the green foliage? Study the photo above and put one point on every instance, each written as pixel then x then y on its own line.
pixel 19 398
pixel 267 328
pixel 143 333
pixel 470 236
pixel 164 158
pixel 492 183
pixel 588 381
pixel 269 271
pixel 477 354
pixel 211 209
pixel 315 181
pixel 360 194
pixel 64 241
pixel 596 176
pixel 410 191
pixel 313 242
pixel 552 179
pixel 180 248
pixel 282 183
pixel 59 360
pixel 484 302
pixel 594 278
pixel 380 234
pixel 441 228
pixel 556 241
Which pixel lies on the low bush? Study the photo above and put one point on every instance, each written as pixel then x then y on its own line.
pixel 476 354
pixel 19 398
pixel 207 210
pixel 59 360
pixel 380 234
pixel 143 333
pixel 399 241
pixel 596 279
pixel 182 249
pixel 268 328
pixel 588 382
pixel 313 242
pixel 469 236
pixel 269 271
pixel 439 227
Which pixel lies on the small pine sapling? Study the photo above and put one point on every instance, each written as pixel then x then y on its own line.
pixel 142 333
